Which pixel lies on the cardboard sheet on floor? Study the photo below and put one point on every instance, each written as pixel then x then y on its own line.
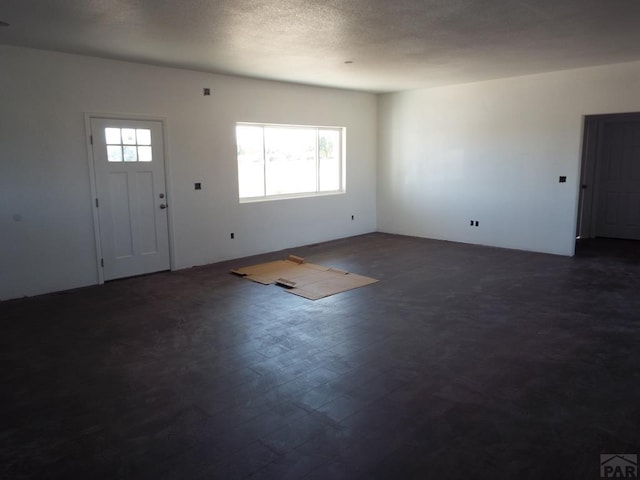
pixel 304 279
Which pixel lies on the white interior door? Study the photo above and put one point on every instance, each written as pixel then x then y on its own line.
pixel 131 196
pixel 618 205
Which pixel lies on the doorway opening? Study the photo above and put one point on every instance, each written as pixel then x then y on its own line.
pixel 609 206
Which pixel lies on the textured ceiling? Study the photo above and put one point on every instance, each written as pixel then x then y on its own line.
pixel 393 44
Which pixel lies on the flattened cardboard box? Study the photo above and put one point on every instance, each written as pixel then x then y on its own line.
pixel 304 279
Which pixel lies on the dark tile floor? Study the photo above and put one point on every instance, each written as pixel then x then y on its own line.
pixel 462 362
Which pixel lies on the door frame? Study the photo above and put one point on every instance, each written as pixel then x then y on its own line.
pixel 590 168
pixel 88 116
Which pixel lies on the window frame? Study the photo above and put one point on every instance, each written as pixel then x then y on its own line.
pixel 342 131
pixel 122 144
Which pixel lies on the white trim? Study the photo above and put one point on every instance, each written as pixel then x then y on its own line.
pixel 169 191
pixel 290 196
pixel 88 116
pixel 290 125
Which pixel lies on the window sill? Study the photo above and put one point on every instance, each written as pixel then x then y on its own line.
pixel 291 196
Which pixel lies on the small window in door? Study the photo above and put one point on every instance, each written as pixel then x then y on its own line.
pixel 128 144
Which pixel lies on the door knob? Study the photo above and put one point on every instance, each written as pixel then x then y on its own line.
pixel 162 206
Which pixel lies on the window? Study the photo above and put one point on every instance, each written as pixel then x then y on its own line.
pixel 279 161
pixel 128 144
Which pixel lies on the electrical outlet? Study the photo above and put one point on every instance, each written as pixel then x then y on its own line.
pixel 471 223
pixel 206 92
pixel 477 223
pixel 233 235
pixel 562 179
pixel 197 186
pixel 353 217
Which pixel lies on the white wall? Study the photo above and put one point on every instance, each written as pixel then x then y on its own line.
pixel 493 152
pixel 46 225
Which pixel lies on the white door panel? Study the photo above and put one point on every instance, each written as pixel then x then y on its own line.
pixel 130 182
